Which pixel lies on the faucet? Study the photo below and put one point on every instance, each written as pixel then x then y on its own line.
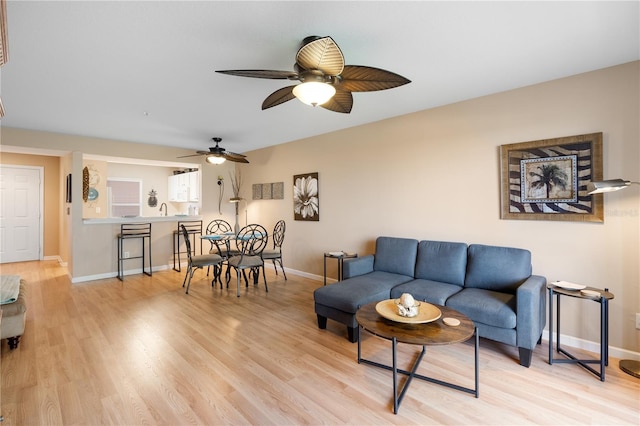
pixel 165 208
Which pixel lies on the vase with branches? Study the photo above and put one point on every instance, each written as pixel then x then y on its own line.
pixel 236 185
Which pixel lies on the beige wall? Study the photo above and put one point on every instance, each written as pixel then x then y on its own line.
pixel 53 195
pixel 434 175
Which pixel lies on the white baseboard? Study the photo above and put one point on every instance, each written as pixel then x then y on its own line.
pixel 56 258
pixel 313 277
pixel 86 278
pixel 590 346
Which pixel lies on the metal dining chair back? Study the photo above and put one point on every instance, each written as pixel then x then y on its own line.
pixel 250 242
pixel 275 254
pixel 221 247
pixel 199 262
pixel 219 226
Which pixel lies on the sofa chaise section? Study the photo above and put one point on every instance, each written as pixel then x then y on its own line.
pixel 371 279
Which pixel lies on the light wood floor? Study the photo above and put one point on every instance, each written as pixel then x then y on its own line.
pixel 143 352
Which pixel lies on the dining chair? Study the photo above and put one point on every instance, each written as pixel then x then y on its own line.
pixel 194 228
pixel 199 262
pixel 222 246
pixel 250 242
pixel 275 254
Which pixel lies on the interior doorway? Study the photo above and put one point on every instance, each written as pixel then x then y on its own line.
pixel 21 197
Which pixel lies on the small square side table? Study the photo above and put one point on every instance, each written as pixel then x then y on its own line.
pixel 603 299
pixel 341 257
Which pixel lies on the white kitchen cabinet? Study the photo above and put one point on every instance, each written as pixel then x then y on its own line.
pixel 184 187
pixel 194 186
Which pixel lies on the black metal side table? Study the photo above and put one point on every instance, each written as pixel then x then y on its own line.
pixel 341 256
pixel 599 296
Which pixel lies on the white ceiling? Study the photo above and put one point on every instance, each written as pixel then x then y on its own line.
pixel 95 68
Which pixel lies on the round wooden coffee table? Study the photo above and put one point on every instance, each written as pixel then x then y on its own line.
pixel 425 334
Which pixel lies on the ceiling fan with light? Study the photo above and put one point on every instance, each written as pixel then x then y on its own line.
pixel 325 80
pixel 218 155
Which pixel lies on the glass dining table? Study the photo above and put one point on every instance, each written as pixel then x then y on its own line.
pixel 222 244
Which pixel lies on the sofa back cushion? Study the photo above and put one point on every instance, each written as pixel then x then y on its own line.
pixel 442 261
pixel 396 255
pixel 497 268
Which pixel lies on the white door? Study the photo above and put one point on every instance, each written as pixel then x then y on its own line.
pixel 20 200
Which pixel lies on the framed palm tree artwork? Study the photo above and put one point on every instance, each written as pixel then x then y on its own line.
pixel 306 202
pixel 547 179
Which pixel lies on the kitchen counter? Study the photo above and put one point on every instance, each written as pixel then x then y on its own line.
pixel 152 219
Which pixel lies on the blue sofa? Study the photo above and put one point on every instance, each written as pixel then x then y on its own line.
pixel 491 285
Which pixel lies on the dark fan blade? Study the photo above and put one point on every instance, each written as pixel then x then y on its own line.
pixel 357 78
pixel 194 155
pixel 342 101
pixel 276 75
pixel 321 54
pixel 236 159
pixel 278 97
pixel 234 154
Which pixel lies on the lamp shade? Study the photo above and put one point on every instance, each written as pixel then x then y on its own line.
pixel 607 186
pixel 314 93
pixel 214 159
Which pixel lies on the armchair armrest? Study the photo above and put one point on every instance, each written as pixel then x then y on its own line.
pixel 531 310
pixel 357 266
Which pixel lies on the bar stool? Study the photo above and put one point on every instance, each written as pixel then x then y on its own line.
pixel 194 228
pixel 130 231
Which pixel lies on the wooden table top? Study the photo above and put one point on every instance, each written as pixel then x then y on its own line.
pixel 431 333
pixel 576 293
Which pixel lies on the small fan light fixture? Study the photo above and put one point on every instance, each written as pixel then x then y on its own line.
pixel 214 159
pixel 314 93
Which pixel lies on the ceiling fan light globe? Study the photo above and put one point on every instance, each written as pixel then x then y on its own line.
pixel 214 159
pixel 314 93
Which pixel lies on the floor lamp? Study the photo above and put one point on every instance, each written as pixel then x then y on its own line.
pixel 629 366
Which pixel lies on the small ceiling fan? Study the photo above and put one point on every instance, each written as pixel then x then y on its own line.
pixel 325 80
pixel 218 155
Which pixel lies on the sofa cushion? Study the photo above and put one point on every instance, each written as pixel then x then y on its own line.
pixel 396 255
pixel 350 294
pixel 426 290
pixel 497 268
pixel 485 306
pixel 441 261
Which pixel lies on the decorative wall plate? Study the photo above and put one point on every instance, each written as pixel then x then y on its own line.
pixel 93 194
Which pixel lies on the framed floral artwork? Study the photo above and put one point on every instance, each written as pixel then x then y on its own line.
pixel 547 179
pixel 306 205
